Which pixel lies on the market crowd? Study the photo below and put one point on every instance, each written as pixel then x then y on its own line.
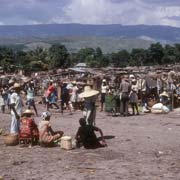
pixel 124 96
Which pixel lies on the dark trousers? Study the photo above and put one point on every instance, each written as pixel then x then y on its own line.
pixel 134 106
pixel 124 103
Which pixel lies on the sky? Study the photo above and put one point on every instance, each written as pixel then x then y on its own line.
pixel 125 12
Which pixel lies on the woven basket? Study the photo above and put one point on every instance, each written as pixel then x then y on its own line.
pixel 11 139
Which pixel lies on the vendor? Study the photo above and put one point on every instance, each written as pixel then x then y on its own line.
pixel 48 137
pixel 87 137
pixel 90 97
pixel 28 127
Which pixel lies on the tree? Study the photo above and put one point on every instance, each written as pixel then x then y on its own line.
pixel 156 53
pixel 98 53
pixel 138 57
pixel 120 59
pixel 58 56
pixel 84 53
pixel 169 55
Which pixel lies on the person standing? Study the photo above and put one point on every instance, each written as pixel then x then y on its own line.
pixel 16 108
pixel 90 97
pixel 104 90
pixel 31 96
pixel 133 98
pixel 74 95
pixel 125 89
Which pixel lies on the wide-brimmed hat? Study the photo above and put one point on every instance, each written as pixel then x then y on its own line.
pixel 27 111
pixel 88 92
pixel 15 86
pixel 164 93
pixel 11 81
pixel 26 79
pixel 74 82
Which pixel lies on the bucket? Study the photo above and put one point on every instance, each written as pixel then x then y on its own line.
pixel 66 142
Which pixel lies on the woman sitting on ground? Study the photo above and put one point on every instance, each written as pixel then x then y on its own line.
pixel 28 127
pixel 87 137
pixel 48 137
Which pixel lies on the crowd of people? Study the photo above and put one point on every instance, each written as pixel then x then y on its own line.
pixel 122 96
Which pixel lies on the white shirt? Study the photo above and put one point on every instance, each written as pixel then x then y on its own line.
pixel 16 99
pixel 104 89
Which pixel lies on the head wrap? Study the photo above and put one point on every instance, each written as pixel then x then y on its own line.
pixel 45 115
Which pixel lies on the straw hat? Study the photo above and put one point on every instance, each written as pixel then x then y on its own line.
pixel 16 85
pixel 27 111
pixel 11 81
pixel 74 82
pixel 164 94
pixel 88 92
pixel 26 79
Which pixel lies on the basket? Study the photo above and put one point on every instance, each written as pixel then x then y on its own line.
pixel 11 139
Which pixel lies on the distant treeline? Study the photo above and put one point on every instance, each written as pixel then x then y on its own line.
pixel 57 56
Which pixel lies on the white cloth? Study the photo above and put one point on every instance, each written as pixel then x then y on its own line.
pixel 159 108
pixel 17 101
pixel 74 95
pixel 104 89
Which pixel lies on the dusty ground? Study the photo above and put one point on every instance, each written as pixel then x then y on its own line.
pixel 145 147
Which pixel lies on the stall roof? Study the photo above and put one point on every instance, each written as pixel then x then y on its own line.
pixel 77 70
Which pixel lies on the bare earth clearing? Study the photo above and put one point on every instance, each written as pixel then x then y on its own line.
pixel 145 147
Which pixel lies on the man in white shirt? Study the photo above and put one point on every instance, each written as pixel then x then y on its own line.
pixel 16 108
pixel 104 90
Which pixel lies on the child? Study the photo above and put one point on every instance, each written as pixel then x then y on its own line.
pixel 47 136
pixel 133 99
pixel 87 137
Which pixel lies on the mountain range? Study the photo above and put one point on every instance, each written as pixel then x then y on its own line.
pixel 110 38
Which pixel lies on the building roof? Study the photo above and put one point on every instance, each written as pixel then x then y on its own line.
pixel 81 65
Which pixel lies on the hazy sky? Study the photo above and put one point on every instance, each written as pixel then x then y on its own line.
pixel 161 12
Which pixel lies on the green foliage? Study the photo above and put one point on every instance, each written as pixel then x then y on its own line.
pixel 57 56
pixel 120 59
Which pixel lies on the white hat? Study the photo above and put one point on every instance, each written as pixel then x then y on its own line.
pixel 16 85
pixel 11 81
pixel 131 76
pixel 27 111
pixel 88 92
pixel 164 93
pixel 104 80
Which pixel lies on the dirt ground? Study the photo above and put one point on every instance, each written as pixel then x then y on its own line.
pixel 144 147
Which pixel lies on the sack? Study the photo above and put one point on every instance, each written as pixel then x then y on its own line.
pixel 159 108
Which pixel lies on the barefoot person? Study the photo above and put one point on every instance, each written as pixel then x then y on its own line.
pixel 87 137
pixel 47 136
